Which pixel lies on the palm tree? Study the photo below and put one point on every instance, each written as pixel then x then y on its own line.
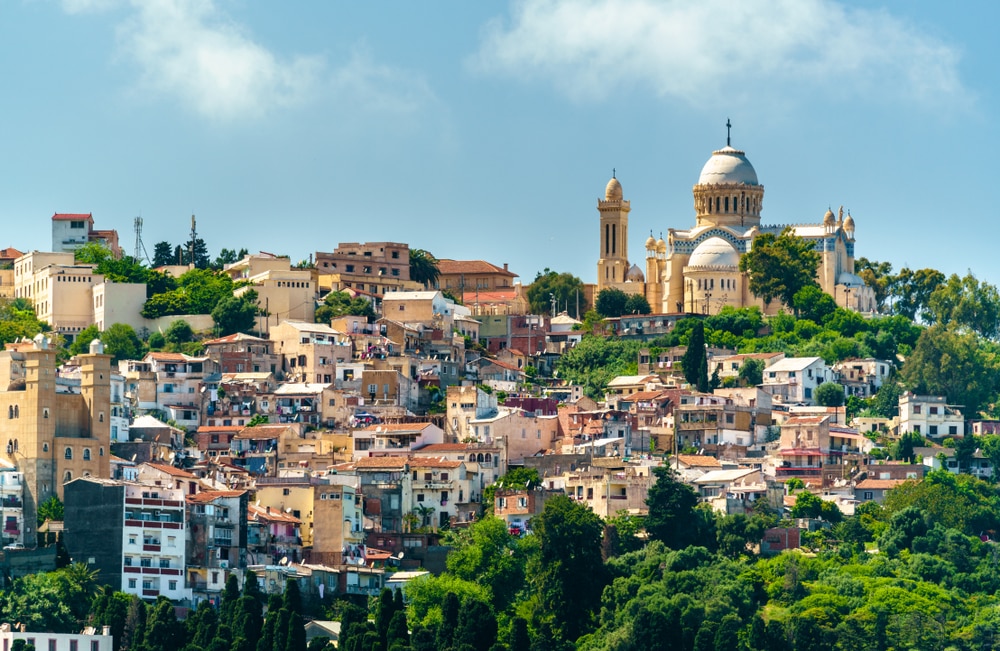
pixel 423 267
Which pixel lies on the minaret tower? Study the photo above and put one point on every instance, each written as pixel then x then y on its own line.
pixel 612 265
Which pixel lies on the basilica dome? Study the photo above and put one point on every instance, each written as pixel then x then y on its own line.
pixel 635 275
pixel 727 165
pixel 714 252
pixel 614 190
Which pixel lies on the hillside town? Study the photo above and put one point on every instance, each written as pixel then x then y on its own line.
pixel 334 422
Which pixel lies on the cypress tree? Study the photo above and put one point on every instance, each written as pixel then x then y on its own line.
pixel 449 621
pixel 266 641
pixel 477 627
pixel 386 609
pixel 399 633
pixel 519 640
pixel 693 358
pixel 229 596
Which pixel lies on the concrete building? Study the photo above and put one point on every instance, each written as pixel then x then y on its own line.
pixel 11 504
pixel 286 294
pixel 310 351
pixel 70 231
pixel 467 276
pixel 89 640
pixel 929 416
pixel 373 267
pixel 216 540
pixel 52 436
pixel 794 379
pixel 133 534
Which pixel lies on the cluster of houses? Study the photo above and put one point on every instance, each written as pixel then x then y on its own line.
pixel 336 453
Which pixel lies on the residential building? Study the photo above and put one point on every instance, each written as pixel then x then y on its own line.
pixel 929 416
pixel 809 442
pixel 395 438
pixel 216 539
pixel 131 533
pixel 518 433
pixel 70 231
pixel 464 276
pixel 874 490
pixel 862 377
pixel 732 490
pixel 794 379
pixel 59 289
pixel 256 448
pixel 243 353
pixel 375 267
pixel 517 507
pixel 286 294
pixel 387 493
pixel 272 534
pixel 8 257
pixel 88 640
pixel 11 504
pixel 609 486
pixel 310 351
pixel 338 535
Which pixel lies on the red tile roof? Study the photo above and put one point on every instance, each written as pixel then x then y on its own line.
pixel 212 429
pixel 433 462
pixel 10 253
pixel 170 470
pixel 381 462
pixel 452 267
pixel 228 339
pixel 699 461
pixel 879 484
pixel 255 512
pixel 205 497
pixel 71 216
pixel 167 357
pixel 444 447
pixel 491 296
pixel 262 432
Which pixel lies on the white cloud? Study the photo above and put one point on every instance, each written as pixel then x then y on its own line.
pixel 718 48
pixel 193 53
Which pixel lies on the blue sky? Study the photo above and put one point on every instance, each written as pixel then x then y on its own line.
pixel 489 130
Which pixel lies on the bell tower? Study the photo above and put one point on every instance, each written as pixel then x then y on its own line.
pixel 612 265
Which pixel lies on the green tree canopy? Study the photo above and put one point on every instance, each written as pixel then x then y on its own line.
pixel 121 342
pixel 637 304
pixel 163 254
pixel 236 314
pixel 951 364
pixel 337 304
pixel 423 267
pixel 780 265
pixel 830 394
pixel 565 287
pixel 610 302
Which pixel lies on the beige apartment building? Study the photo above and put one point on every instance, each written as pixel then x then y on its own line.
pixel 59 289
pixel 374 268
pixel 310 351
pixel 284 293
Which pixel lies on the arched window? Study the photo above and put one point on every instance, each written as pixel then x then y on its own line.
pixel 472 457
pixel 68 453
pixel 479 458
pixel 489 457
pixel 17 411
pixel 727 204
pixel 101 452
pixel 45 446
pixel 10 411
pixel 67 476
pixel 86 454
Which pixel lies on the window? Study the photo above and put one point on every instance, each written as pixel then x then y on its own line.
pixel 68 453
pixel 86 454
pixel 95 645
pixel 932 430
pixel 171 585
pixel 953 429
pixel 916 429
pixel 934 410
pixel 916 409
pixel 420 497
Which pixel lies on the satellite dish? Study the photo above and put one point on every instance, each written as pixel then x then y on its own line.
pixel 283 561
pixel 399 556
pixel 288 510
pixel 258 503
pixel 134 456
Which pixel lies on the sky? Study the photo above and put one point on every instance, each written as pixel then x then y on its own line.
pixel 488 130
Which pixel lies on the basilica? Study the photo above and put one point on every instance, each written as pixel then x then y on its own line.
pixel 697 270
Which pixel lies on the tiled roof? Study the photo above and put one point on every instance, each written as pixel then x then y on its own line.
pixel 805 420
pixel 444 447
pixel 228 339
pixel 381 462
pixel 205 497
pixel 699 461
pixel 646 395
pixel 447 267
pixel 879 484
pixel 255 512
pixel 10 253
pixel 170 470
pixel 397 427
pixel 167 357
pixel 71 216
pixel 215 429
pixel 489 296
pixel 262 432
pixel 433 462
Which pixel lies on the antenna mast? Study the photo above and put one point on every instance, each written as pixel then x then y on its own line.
pixel 139 246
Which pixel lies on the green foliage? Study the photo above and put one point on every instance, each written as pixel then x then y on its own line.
pixel 121 342
pixel 50 509
pixel 966 304
pixel 163 254
pixel 830 394
pixel 695 360
pixel 808 505
pixel 423 267
pixel 610 302
pixel 236 314
pixel 779 266
pixel 951 364
pixel 568 572
pixel 487 554
pixel 637 304
pixel 751 372
pixel 179 332
pixel 81 343
pixel 18 320
pixel 567 289
pixel 426 597
pixel 337 304
pixel 596 361
pixel 912 290
pixel 673 518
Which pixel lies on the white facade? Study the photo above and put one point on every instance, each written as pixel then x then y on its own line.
pixel 11 500
pixel 929 416
pixel 119 303
pixel 794 379
pixel 58 641
pixel 153 560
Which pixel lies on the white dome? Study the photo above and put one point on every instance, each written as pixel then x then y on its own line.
pixel 714 252
pixel 613 191
pixel 728 165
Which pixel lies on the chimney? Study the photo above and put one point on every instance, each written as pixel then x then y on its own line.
pixel 105 630
pixel 505 266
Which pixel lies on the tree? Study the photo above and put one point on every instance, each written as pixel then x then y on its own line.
pixel 81 343
pixel 178 332
pixel 950 364
pixel 18 320
pixel 163 631
pixel 488 555
pixel 423 267
pixel 236 314
pixel 337 304
pixel 50 509
pixel 911 291
pixel 637 304
pixel 813 303
pixel 163 254
pixel 695 361
pixel 672 519
pixel 751 372
pixel 967 304
pixel 610 302
pixel 477 627
pixel 569 573
pixel 830 394
pixel 878 276
pixel 808 505
pixel 227 256
pixel 566 288
pixel 121 342
pixel 779 266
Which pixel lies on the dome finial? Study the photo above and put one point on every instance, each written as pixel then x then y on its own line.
pixel 613 171
pixel 729 127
